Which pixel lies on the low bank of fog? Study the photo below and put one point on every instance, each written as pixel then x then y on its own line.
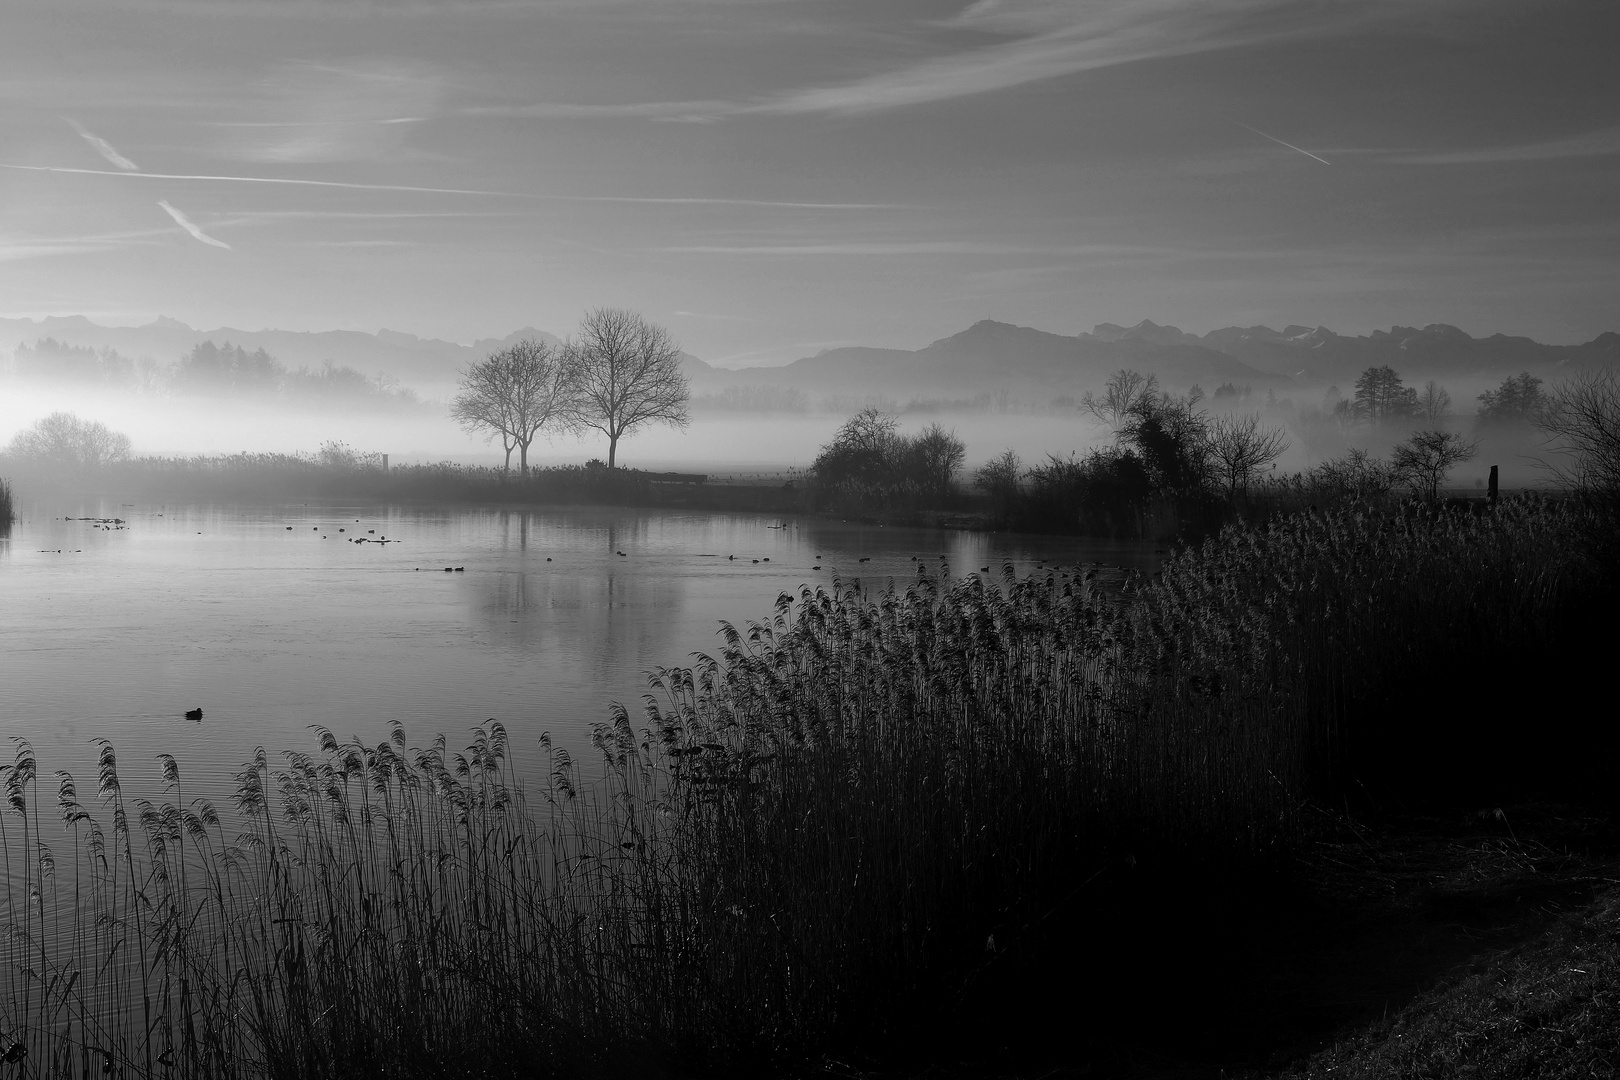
pixel 716 442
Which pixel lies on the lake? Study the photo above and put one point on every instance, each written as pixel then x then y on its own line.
pixel 273 618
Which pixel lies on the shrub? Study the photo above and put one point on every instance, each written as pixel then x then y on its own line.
pixel 1426 458
pixel 870 464
pixel 62 442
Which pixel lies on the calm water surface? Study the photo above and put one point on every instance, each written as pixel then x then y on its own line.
pixel 271 619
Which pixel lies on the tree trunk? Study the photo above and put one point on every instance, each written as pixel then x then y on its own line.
pixel 523 459
pixel 613 448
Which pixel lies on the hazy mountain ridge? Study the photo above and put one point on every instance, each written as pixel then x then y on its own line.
pixel 988 357
pixel 407 357
pixel 993 356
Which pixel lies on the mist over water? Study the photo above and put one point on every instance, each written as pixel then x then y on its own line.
pixel 714 442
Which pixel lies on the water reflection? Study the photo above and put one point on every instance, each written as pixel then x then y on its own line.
pixel 273 618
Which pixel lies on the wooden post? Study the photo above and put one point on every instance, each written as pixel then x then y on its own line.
pixel 1492 489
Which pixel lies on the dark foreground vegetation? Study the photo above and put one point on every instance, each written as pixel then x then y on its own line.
pixel 1017 819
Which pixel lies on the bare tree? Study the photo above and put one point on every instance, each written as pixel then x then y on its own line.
pixel 1582 420
pixel 627 374
pixel 1381 397
pixel 1424 460
pixel 1433 402
pixel 1240 447
pixel 862 454
pixel 64 441
pixel 933 459
pixel 515 393
pixel 1000 478
pixel 1124 392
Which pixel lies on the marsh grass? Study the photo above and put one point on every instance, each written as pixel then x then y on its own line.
pixel 875 814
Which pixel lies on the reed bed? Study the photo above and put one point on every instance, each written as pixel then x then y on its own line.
pixel 856 819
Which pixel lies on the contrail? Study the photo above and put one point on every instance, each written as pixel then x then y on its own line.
pixel 264 180
pixel 191 226
pixel 635 199
pixel 1279 142
pixel 103 147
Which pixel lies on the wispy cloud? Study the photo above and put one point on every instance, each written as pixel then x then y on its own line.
pixel 1591 144
pixel 103 147
pixel 269 180
pixel 1279 142
pixel 17 249
pixel 1048 39
pixel 648 200
pixel 917 247
pixel 190 226
pixel 711 317
pixel 322 113
pixel 12 251
pixel 696 111
pixel 364 243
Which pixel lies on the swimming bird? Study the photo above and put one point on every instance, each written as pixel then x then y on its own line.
pixel 622 555
pixel 194 714
pixel 289 528
pixel 866 558
pixel 460 568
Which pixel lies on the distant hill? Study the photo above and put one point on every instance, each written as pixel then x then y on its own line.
pixel 993 357
pixel 988 358
pixel 413 360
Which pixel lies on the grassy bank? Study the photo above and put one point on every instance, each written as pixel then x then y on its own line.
pixel 1543 1010
pixel 980 811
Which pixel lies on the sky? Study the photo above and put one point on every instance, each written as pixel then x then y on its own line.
pixel 769 178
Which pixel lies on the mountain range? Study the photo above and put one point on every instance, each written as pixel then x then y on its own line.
pixel 993 356
pixel 413 360
pixel 987 358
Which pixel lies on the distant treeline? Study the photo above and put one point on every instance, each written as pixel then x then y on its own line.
pixel 1175 469
pixel 339 471
pixel 212 369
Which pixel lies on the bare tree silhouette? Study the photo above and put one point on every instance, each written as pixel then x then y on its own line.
pixel 627 374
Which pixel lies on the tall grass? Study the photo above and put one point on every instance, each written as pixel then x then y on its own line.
pixel 861 817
